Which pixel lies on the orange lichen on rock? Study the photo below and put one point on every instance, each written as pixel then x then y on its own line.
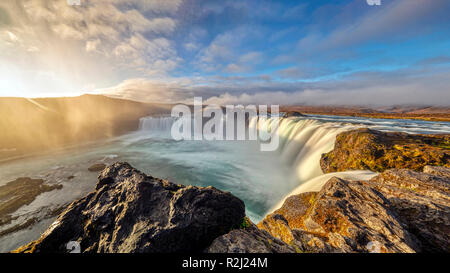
pixel 396 211
pixel 366 149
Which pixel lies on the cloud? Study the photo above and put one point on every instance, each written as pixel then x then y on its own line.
pixel 244 63
pixel 225 54
pixel 171 50
pixel 140 89
pixel 84 45
pixel 435 60
pixel 234 68
pixel 416 93
pixel 291 72
pixel 392 21
pixel 155 6
pixel 100 21
pixel 5 19
pixel 91 45
pixel 220 50
pixel 418 86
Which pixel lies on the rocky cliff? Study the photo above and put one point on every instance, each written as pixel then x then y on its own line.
pixel 406 208
pixel 133 212
pixel 249 239
pixel 397 211
pixel 20 192
pixel 38 125
pixel 366 149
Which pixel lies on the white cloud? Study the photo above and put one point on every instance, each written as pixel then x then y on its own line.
pixel 393 20
pixel 113 38
pixel 251 57
pixel 67 32
pixel 221 50
pixel 92 45
pixel 358 89
pixel 157 6
pixel 162 91
pixel 234 68
pixel 191 46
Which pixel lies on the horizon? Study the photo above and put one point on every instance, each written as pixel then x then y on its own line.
pixel 221 134
pixel 347 106
pixel 341 53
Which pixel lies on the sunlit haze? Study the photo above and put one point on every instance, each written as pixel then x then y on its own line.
pixel 310 52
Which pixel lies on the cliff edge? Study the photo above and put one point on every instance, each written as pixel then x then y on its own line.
pixel 131 212
pixel 399 210
pixel 367 149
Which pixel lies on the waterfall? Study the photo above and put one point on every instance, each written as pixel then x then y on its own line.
pixel 303 141
pixel 316 183
pixel 156 124
pixel 301 145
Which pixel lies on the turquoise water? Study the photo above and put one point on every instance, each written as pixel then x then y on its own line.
pixel 260 179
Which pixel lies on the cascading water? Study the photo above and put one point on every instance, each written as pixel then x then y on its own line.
pixel 156 125
pixel 302 142
pixel 261 179
pixel 316 183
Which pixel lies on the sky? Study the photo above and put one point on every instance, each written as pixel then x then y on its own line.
pixel 314 52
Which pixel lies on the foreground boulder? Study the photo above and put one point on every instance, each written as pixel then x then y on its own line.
pixel 20 192
pixel 344 217
pixel 396 211
pixel 132 212
pixel 422 203
pixel 366 149
pixel 97 167
pixel 249 239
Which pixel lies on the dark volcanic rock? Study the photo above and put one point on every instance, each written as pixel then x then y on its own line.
pixel 396 211
pixel 132 212
pixel 366 149
pixel 97 167
pixel 20 192
pixel 249 240
pixel 293 114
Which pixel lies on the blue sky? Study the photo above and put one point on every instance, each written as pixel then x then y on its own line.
pixel 286 52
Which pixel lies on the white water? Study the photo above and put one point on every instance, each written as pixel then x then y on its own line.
pixel 156 125
pixel 261 179
pixel 303 141
pixel 316 183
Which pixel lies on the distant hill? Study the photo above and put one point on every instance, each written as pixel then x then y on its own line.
pixel 393 112
pixel 33 125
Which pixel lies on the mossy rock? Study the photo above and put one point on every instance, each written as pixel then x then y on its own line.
pixel 366 149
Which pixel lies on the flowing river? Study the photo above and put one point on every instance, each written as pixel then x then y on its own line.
pixel 261 179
